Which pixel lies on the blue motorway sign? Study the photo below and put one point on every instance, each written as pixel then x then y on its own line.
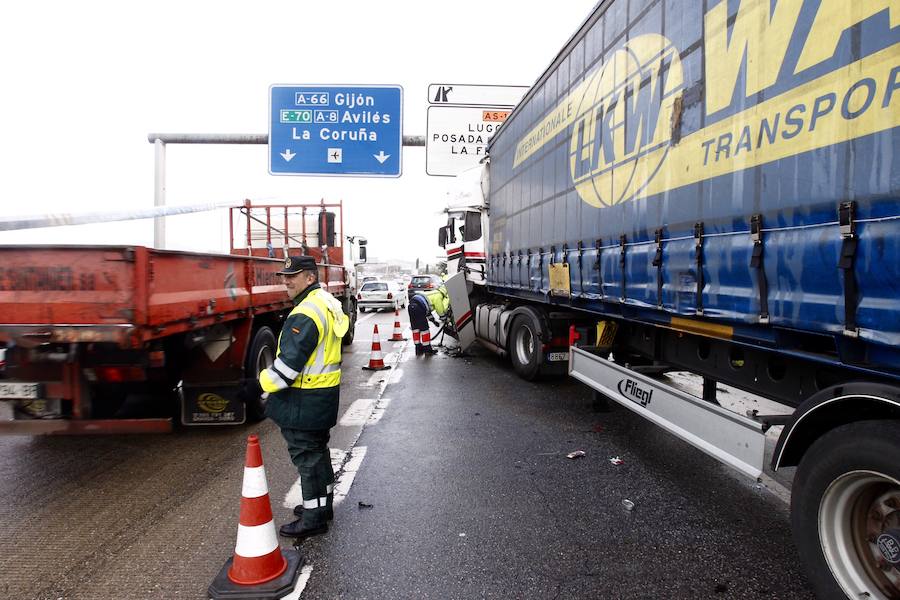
pixel 335 130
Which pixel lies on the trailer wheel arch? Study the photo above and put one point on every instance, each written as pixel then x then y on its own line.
pixel 829 409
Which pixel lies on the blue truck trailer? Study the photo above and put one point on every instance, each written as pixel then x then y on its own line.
pixel 714 186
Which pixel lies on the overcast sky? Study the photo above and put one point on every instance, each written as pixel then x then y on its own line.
pixel 85 82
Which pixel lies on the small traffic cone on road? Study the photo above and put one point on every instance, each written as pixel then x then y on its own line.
pixel 259 568
pixel 376 360
pixel 398 332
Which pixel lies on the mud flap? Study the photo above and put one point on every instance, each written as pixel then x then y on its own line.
pixel 462 312
pixel 212 404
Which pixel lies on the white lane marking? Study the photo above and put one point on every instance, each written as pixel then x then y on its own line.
pixel 305 572
pixel 342 487
pixel 377 379
pixel 378 412
pixel 358 412
pixel 365 318
pixel 295 494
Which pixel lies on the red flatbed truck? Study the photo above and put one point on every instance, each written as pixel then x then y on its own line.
pixel 122 339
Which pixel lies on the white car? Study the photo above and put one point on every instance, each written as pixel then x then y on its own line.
pixel 376 295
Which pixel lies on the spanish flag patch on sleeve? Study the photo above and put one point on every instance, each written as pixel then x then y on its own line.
pixel 295 330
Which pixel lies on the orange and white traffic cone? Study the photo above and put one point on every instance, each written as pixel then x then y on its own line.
pixel 376 360
pixel 398 332
pixel 259 567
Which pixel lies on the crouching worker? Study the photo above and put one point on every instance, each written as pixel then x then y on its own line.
pixel 420 312
pixel 303 387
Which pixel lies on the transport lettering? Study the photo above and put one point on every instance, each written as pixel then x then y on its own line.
pixel 770 129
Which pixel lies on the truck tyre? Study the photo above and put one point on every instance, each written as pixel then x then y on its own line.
pixel 260 356
pixel 525 346
pixel 845 511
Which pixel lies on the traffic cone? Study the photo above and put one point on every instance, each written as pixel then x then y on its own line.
pixel 376 361
pixel 259 569
pixel 398 333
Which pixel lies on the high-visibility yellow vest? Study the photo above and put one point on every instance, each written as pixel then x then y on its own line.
pixel 438 300
pixel 323 367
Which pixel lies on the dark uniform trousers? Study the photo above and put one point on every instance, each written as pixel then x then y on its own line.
pixel 309 453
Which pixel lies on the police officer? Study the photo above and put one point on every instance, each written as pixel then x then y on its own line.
pixel 420 308
pixel 303 387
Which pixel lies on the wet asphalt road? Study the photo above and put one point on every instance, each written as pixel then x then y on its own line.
pixel 465 487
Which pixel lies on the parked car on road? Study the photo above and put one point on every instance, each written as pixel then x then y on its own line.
pixel 376 295
pixel 423 283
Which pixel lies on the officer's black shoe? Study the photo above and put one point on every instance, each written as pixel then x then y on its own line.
pixel 429 351
pixel 329 512
pixel 300 530
pixel 419 350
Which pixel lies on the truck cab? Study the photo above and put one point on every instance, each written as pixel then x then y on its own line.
pixel 464 235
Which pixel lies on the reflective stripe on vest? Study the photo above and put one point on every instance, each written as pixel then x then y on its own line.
pixel 323 367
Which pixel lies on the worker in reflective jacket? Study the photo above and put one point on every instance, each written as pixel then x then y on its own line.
pixel 303 390
pixel 420 309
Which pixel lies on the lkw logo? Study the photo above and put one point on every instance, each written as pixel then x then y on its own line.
pixel 623 121
pixel 633 391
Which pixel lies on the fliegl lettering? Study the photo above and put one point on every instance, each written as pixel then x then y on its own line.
pixel 634 392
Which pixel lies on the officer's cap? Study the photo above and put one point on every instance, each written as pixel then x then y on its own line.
pixel 296 264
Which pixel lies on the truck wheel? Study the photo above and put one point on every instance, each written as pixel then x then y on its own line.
pixel 525 347
pixel 261 356
pixel 845 511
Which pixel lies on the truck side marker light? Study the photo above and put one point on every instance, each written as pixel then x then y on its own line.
pixel 574 336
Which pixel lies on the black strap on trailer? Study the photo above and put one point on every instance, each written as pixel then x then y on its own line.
pixel 698 254
pixel 657 262
pixel 846 215
pixel 598 244
pixel 756 262
pixel 540 270
pixel 622 241
pixel 519 268
pixel 580 268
